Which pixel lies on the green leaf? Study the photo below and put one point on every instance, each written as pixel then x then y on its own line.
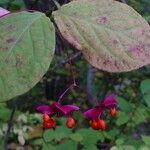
pixel 129 140
pixel 62 146
pixel 142 114
pixel 19 3
pixel 67 145
pixel 146 140
pixel 5 112
pixel 111 35
pixel 58 134
pixel 49 135
pixel 147 18
pixel 38 141
pixel 4 2
pixel 112 134
pixel 143 147
pixel 119 141
pixel 124 105
pixel 90 137
pixel 27 42
pixel 122 118
pixel 90 147
pixel 145 89
pixel 48 146
pixel 76 137
pixel 129 147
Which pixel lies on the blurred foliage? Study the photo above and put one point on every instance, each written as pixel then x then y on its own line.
pixel 142 6
pixel 129 131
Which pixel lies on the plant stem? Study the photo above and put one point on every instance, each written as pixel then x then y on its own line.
pixel 92 98
pixel 72 58
pixel 62 95
pixel 69 61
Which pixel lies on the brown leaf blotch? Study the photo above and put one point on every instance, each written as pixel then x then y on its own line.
pixel 9 40
pixel 102 20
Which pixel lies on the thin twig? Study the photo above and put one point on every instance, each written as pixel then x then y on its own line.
pixel 63 94
pixel 65 50
pixel 72 58
pixel 70 61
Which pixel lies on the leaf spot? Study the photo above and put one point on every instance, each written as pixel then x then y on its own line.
pixel 137 48
pixel 9 40
pixel 102 20
pixel 114 41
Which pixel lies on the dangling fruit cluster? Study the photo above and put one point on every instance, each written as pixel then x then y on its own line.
pixel 94 114
pixel 49 123
pixel 98 124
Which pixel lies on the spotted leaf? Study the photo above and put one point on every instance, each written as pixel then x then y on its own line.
pixel 111 35
pixel 27 43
